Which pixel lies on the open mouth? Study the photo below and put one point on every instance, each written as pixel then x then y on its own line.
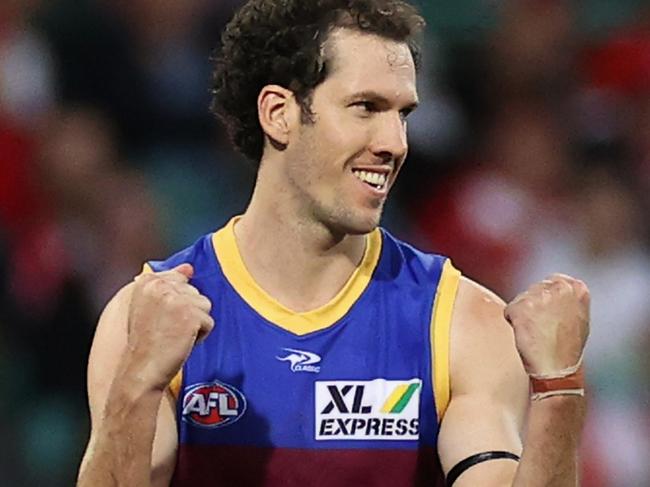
pixel 375 180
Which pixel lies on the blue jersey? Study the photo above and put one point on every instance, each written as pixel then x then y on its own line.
pixel 349 394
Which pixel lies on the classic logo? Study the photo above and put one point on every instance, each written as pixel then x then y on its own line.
pixel 212 405
pixel 301 360
pixel 368 410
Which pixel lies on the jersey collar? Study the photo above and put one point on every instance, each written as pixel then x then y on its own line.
pixel 303 323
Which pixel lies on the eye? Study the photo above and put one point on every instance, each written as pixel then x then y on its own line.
pixel 405 113
pixel 366 107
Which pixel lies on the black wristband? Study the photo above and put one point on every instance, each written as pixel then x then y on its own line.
pixel 463 465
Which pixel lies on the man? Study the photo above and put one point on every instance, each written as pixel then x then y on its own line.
pixel 301 345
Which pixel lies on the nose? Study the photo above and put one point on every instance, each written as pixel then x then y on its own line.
pixel 390 141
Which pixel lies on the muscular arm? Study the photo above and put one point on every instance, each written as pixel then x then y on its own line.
pixel 490 409
pixel 133 439
pixel 553 434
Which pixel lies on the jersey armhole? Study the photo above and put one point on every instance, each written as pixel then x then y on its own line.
pixel 441 315
pixel 175 385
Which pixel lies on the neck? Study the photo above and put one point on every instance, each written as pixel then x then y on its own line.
pixel 297 260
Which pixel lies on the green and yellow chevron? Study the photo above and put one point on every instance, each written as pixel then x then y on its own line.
pixel 399 398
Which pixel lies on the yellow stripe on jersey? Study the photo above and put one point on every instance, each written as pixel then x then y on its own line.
pixel 440 334
pixel 236 273
pixel 394 398
pixel 175 384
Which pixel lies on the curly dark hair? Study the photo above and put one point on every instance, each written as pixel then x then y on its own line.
pixel 280 42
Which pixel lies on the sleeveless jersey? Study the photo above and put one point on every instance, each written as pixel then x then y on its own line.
pixel 349 394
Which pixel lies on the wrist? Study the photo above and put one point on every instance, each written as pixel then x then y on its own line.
pixel 133 384
pixel 568 408
pixel 142 374
pixel 555 372
pixel 567 382
pixel 562 406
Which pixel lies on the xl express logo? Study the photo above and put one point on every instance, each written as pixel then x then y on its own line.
pixel 212 405
pixel 368 410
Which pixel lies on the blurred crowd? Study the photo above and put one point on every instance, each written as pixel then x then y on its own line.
pixel 529 155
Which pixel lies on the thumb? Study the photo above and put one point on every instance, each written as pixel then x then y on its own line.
pixel 186 269
pixel 180 273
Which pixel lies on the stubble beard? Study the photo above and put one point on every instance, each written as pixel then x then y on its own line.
pixel 334 212
pixel 342 220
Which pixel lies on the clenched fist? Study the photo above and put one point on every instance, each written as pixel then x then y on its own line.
pixel 166 316
pixel 551 324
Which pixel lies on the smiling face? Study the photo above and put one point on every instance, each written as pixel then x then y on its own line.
pixel 341 167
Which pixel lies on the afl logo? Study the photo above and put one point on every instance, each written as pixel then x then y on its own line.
pixel 213 405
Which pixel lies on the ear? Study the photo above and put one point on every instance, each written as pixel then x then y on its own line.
pixel 275 111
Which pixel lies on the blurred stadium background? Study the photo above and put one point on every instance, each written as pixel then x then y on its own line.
pixel 530 154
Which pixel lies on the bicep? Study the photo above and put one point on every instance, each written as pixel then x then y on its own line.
pixel 108 347
pixel 477 424
pixel 489 390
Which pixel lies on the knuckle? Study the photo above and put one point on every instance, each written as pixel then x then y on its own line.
pixel 141 284
pixel 563 286
pixel 582 287
pixel 209 325
pixel 174 301
pixel 529 304
pixel 512 314
pixel 142 279
pixel 206 302
pixel 558 276
pixel 156 287
pixel 186 288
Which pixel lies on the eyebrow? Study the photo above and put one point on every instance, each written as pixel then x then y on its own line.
pixel 379 99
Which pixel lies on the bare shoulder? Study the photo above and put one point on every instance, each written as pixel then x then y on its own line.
pixel 483 351
pixel 489 387
pixel 477 301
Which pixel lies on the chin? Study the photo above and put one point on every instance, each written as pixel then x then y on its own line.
pixel 347 220
pixel 366 227
pixel 359 224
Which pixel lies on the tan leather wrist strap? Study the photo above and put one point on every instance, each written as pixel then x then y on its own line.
pixel 570 384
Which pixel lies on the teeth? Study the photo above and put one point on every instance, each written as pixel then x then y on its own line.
pixel 374 178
